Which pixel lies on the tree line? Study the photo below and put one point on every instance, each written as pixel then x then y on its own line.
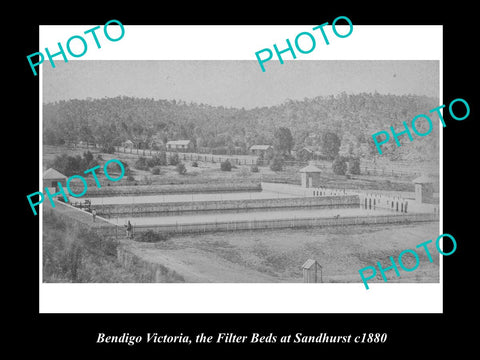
pixel 344 122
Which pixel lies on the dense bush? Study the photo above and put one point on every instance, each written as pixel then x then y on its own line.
pixel 141 164
pixel 226 166
pixel 276 164
pixel 181 169
pixel 254 168
pixel 339 166
pixel 194 164
pixel 354 166
pixel 173 159
pixel 72 165
pixel 157 160
pixel 109 149
pixel 155 170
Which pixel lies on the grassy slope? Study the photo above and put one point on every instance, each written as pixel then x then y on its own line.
pixel 71 255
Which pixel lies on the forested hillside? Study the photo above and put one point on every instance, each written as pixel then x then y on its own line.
pixel 354 118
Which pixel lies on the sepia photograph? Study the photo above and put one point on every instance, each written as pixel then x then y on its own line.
pixel 209 171
pixel 252 182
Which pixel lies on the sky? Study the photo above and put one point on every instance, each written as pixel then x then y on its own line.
pixel 238 84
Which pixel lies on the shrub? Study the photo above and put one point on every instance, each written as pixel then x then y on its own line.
pixel 157 160
pixel 194 164
pixel 276 164
pixel 254 168
pixel 141 163
pixel 354 166
pixel 155 170
pixel 87 156
pixel 226 166
pixel 181 169
pixel 109 149
pixel 174 159
pixel 339 166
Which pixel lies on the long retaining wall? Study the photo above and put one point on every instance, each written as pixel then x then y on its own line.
pixel 169 189
pixel 292 223
pixel 247 204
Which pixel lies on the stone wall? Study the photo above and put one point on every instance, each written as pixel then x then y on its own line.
pixel 140 190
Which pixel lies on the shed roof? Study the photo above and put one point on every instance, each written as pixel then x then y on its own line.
pixel 309 263
pixel 310 169
pixel 53 174
pixel 178 142
pixel 306 149
pixel 260 147
pixel 424 179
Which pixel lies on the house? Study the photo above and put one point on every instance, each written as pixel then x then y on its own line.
pixel 52 177
pixel 304 154
pixel 310 153
pixel 261 150
pixel 179 145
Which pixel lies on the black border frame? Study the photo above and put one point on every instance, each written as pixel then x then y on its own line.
pixel 52 333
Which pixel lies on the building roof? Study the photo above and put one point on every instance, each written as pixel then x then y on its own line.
pixel 128 141
pixel 53 174
pixel 310 169
pixel 178 142
pixel 260 147
pixel 308 264
pixel 306 149
pixel 424 179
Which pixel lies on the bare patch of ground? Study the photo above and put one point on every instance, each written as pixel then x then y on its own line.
pixel 277 256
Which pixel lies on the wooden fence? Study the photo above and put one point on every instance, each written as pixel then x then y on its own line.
pixel 366 169
pixel 292 223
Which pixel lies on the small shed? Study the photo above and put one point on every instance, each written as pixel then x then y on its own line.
pixel 52 177
pixel 179 145
pixel 423 189
pixel 310 176
pixel 261 150
pixel 304 153
pixel 310 271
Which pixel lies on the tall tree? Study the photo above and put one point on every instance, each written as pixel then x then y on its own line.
pixel 330 144
pixel 283 141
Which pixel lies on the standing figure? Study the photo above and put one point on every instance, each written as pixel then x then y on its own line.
pixel 94 214
pixel 129 230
